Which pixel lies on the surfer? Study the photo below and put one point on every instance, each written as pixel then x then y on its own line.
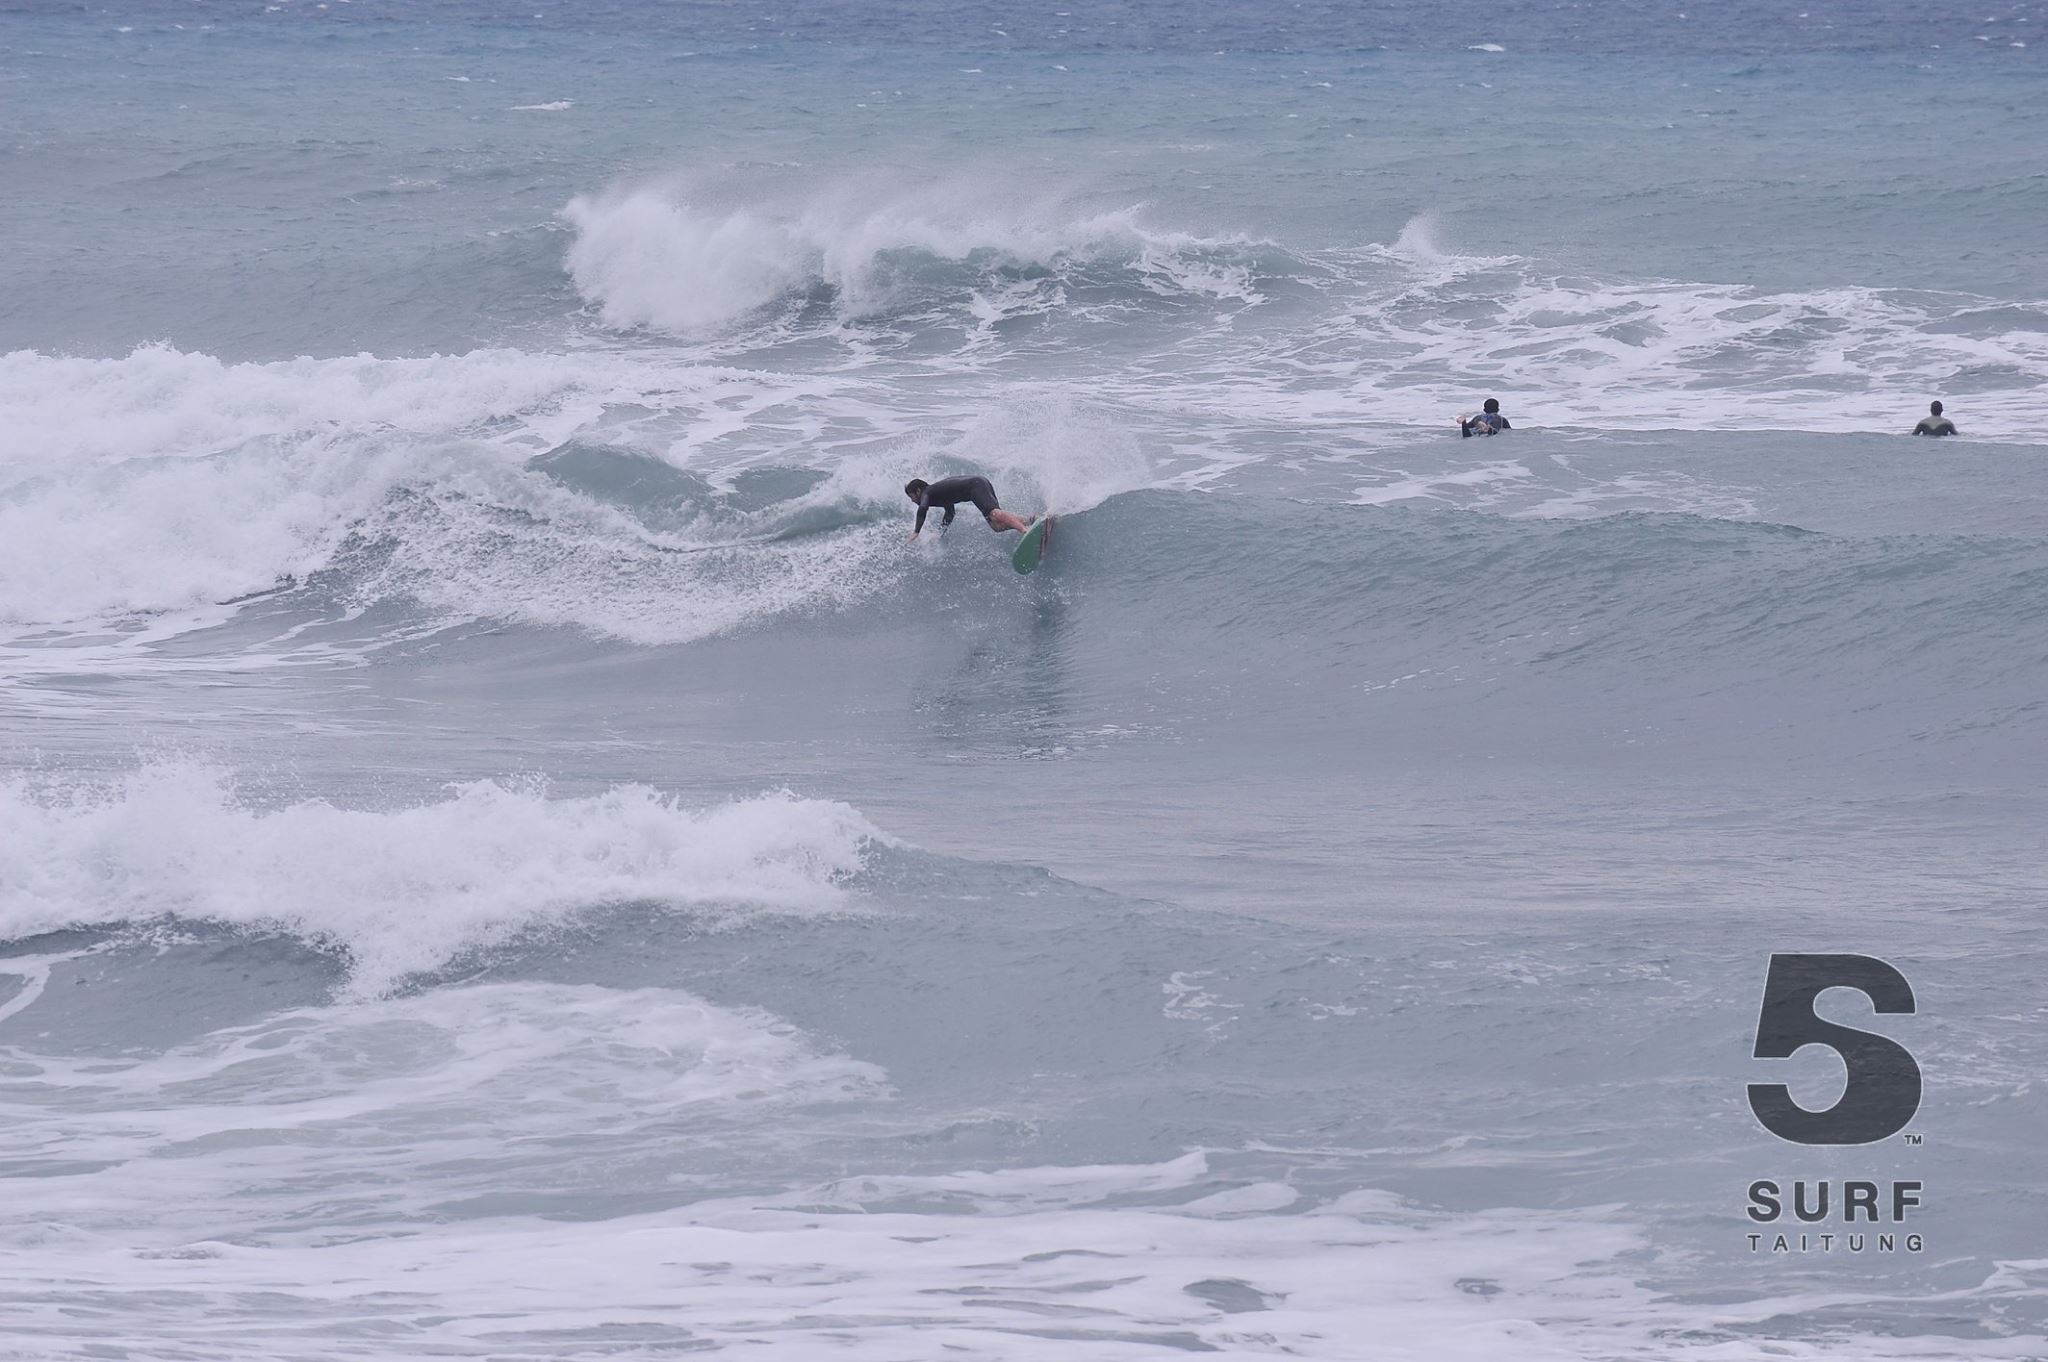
pixel 950 492
pixel 1934 423
pixel 1488 422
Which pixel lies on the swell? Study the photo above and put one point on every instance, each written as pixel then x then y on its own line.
pixel 1657 595
pixel 620 547
pixel 1652 592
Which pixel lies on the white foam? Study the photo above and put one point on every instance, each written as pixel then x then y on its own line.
pixel 552 106
pixel 568 562
pixel 57 410
pixel 1070 454
pixel 167 481
pixel 1420 247
pixel 404 890
pixel 1107 1261
pixel 1407 486
pixel 34 973
pixel 412 1104
pixel 1179 274
pixel 176 533
pixel 1428 330
pixel 648 261
pixel 674 257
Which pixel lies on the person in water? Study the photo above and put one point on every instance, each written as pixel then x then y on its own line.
pixel 950 492
pixel 1934 423
pixel 1488 422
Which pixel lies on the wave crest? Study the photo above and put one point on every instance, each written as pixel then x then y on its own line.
pixel 405 891
pixel 664 257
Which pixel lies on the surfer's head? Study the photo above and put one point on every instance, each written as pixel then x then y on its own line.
pixel 1934 407
pixel 915 488
pixel 1492 407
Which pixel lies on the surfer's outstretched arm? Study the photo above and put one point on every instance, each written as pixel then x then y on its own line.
pixel 948 493
pixel 919 491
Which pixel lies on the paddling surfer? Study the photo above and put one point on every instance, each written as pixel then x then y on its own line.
pixel 1489 421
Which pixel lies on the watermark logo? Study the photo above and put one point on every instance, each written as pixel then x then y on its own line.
pixel 1883 1091
pixel 1880 1097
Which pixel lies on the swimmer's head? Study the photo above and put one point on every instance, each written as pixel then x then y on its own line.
pixel 1934 407
pixel 915 488
pixel 1492 407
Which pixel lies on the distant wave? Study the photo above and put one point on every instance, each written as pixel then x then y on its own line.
pixel 657 256
pixel 960 275
pixel 1420 327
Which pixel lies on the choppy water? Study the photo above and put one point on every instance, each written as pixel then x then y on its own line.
pixel 505 851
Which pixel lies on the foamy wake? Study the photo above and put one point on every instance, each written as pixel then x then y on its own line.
pixel 405 890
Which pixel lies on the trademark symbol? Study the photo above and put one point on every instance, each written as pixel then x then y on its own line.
pixel 1913 1137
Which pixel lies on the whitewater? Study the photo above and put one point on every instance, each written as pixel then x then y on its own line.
pixel 507 850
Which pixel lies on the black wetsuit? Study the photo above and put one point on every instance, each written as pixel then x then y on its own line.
pixel 950 492
pixel 1935 425
pixel 1486 423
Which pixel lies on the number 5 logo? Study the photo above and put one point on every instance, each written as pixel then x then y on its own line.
pixel 1883 1091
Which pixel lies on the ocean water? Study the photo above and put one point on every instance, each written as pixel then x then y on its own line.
pixel 507 851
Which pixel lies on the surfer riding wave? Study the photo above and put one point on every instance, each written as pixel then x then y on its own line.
pixel 950 492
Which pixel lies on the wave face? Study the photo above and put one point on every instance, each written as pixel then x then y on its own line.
pixel 508 849
pixel 322 512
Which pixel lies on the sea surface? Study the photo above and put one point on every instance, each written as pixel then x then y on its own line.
pixel 507 849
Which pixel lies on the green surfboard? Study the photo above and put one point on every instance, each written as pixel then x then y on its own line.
pixel 1025 559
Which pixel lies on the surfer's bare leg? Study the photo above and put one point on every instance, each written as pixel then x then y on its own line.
pixel 1001 520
